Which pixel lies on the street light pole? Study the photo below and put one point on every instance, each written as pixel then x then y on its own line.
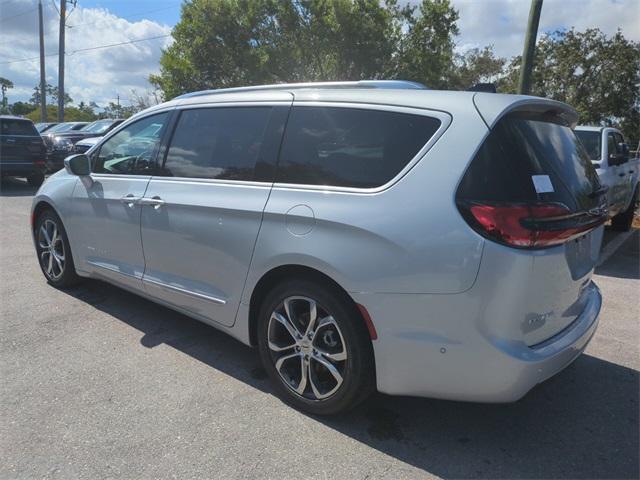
pixel 528 53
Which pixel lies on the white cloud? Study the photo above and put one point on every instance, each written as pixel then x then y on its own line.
pixel 97 75
pixel 502 23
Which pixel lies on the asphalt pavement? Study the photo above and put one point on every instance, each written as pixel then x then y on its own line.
pixel 99 383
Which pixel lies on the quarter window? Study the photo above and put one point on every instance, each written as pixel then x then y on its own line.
pixel 133 149
pixel 222 142
pixel 350 147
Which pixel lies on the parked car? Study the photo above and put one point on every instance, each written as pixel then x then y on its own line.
pixel 349 233
pixel 63 143
pixel 22 152
pixel 618 170
pixel 44 126
pixel 82 146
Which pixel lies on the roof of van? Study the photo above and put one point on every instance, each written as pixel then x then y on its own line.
pixel 491 106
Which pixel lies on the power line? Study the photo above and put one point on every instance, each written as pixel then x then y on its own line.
pixel 81 50
pixel 127 16
pixel 18 14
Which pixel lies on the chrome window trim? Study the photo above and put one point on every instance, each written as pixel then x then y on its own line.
pixel 185 291
pixel 445 120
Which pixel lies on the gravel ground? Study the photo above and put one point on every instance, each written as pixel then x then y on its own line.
pixel 98 383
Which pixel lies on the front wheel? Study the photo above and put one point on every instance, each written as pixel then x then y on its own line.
pixel 315 348
pixel 624 220
pixel 54 252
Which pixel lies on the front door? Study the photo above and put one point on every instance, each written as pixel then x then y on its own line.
pixel 106 204
pixel 201 218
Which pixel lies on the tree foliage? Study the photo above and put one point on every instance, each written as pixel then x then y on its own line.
pixel 225 43
pixel 598 75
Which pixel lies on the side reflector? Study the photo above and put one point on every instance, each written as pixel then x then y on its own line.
pixel 367 320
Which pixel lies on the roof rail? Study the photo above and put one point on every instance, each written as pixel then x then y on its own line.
pixel 397 84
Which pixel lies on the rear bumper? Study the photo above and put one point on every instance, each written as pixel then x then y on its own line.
pixel 55 159
pixel 450 359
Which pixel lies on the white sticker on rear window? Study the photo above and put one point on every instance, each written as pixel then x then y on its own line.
pixel 542 183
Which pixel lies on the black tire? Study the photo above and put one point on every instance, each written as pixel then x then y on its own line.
pixel 357 371
pixel 35 179
pixel 624 220
pixel 58 277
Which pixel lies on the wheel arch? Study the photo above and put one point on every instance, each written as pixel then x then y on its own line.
pixel 40 206
pixel 282 272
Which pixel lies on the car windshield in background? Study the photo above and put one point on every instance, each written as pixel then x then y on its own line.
pixel 591 142
pixel 17 127
pixel 63 127
pixel 99 126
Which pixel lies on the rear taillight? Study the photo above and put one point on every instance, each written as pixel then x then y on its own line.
pixel 529 226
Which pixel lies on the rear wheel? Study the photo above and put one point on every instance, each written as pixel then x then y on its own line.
pixel 315 348
pixel 54 252
pixel 35 179
pixel 624 220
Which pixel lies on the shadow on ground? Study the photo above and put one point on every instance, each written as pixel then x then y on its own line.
pixel 583 423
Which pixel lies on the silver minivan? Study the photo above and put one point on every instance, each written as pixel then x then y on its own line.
pixel 420 242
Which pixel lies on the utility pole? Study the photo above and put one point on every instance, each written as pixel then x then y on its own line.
pixel 118 97
pixel 43 90
pixel 529 47
pixel 63 18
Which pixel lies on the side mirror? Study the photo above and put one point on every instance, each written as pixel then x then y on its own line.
pixel 624 148
pixel 78 165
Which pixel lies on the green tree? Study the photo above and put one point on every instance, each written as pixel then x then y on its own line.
pixel 5 84
pixel 426 52
pixel 52 96
pixel 596 74
pixel 224 43
pixel 22 108
pixel 475 66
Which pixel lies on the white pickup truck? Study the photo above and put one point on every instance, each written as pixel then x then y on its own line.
pixel 617 168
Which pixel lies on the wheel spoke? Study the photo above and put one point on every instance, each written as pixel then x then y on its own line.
pixel 287 324
pixel 278 348
pixel 58 262
pixel 330 367
pixel 335 357
pixel 44 232
pixel 54 236
pixel 283 359
pixel 313 315
pixel 304 375
pixel 50 264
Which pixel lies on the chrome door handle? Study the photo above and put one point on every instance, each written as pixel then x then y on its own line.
pixel 130 200
pixel 156 202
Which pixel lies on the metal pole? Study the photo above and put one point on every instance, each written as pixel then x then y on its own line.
pixel 529 47
pixel 43 89
pixel 63 14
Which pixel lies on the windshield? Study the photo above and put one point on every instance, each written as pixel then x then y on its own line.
pixel 62 127
pixel 99 126
pixel 591 142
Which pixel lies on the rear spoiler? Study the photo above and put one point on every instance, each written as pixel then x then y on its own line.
pixel 493 106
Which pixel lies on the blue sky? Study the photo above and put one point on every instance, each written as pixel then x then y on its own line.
pixel 101 75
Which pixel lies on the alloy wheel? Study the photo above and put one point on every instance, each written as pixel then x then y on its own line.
pixel 52 255
pixel 307 348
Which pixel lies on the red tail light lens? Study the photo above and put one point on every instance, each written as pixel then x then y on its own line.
pixel 514 225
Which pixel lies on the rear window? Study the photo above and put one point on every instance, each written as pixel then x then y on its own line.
pixel 531 158
pixel 17 127
pixel 349 147
pixel 592 143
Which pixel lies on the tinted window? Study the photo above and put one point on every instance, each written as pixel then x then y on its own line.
pixel 591 142
pixel 350 147
pixel 17 127
pixel 133 149
pixel 220 143
pixel 521 146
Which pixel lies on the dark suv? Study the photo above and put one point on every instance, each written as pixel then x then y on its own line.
pixel 61 145
pixel 22 151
